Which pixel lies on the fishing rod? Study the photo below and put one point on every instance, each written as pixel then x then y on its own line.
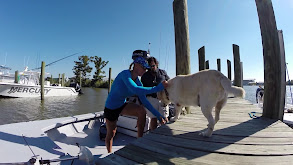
pixel 58 60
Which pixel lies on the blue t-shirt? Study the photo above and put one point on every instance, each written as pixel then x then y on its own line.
pixel 123 87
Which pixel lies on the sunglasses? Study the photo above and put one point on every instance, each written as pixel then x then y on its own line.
pixel 152 66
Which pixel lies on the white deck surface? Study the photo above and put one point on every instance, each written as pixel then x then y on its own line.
pixel 15 137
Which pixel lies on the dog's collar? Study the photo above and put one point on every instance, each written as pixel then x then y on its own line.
pixel 167 94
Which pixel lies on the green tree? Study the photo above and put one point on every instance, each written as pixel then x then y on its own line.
pixel 99 65
pixel 82 69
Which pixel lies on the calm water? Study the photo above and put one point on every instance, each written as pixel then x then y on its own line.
pixel 26 109
pixel 93 100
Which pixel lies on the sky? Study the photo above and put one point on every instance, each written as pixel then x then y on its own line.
pixel 32 31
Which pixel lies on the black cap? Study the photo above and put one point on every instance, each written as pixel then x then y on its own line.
pixel 140 53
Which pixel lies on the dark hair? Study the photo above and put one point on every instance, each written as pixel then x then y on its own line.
pixel 153 59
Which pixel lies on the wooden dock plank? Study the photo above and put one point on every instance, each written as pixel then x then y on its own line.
pixel 209 158
pixel 115 160
pixel 237 139
pixel 145 156
pixel 213 147
pixel 226 139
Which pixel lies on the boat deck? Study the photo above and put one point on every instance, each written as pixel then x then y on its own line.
pixel 22 141
pixel 237 139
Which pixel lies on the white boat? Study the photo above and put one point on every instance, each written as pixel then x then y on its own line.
pixel 54 141
pixel 5 75
pixel 28 86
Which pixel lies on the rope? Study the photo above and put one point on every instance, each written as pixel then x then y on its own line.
pixel 57 60
pixel 29 147
pixel 289 84
pixel 253 115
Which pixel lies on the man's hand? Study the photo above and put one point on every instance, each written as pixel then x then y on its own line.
pixel 165 84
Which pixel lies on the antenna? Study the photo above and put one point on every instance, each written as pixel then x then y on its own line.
pixel 5 59
pixel 149 51
pixel 27 60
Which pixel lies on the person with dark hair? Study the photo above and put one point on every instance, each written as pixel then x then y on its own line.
pixel 127 84
pixel 259 93
pixel 153 77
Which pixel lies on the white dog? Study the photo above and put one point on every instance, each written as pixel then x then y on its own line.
pixel 207 89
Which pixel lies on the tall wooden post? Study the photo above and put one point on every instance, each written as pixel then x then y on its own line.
pixel 109 88
pixel 16 80
pixel 273 107
pixel 51 80
pixel 181 38
pixel 283 70
pixel 207 64
pixel 80 80
pixel 63 81
pixel 201 58
pixel 237 66
pixel 219 64
pixel 59 79
pixel 42 80
pixel 241 67
pixel 229 68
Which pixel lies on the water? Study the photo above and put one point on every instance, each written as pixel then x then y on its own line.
pixel 93 100
pixel 28 109
pixel 251 91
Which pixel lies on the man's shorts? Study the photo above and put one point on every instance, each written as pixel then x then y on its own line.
pixel 158 105
pixel 113 114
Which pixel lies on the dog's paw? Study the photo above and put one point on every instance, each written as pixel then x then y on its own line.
pixel 205 134
pixel 173 119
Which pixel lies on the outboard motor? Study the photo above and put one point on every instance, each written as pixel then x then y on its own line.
pixel 78 89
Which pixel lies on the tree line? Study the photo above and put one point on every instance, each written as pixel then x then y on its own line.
pixel 82 69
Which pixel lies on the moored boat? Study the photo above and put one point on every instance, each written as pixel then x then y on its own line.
pixel 28 86
pixel 68 140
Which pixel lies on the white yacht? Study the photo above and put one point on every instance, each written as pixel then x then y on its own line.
pixel 28 86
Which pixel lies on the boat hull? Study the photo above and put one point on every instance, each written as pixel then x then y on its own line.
pixel 22 90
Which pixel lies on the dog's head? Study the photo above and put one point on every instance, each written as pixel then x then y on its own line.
pixel 164 96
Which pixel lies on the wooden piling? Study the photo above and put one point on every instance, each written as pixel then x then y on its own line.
pixel 80 80
pixel 207 64
pixel 181 38
pixel 201 58
pixel 283 70
pixel 16 80
pixel 273 107
pixel 219 64
pixel 42 80
pixel 59 80
pixel 51 80
pixel 109 88
pixel 237 66
pixel 63 81
pixel 229 68
pixel 241 67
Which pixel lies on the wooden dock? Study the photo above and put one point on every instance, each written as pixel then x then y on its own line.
pixel 237 139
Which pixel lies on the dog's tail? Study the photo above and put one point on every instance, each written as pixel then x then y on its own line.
pixel 227 85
